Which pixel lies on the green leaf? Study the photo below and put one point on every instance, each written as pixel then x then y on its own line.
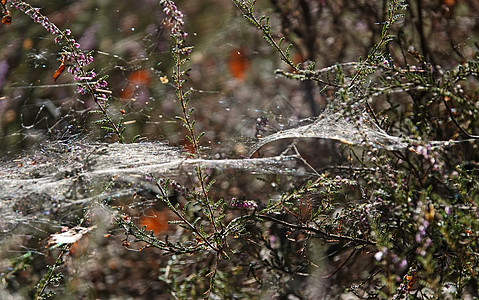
pixel 102 122
pixel 135 138
pixel 109 129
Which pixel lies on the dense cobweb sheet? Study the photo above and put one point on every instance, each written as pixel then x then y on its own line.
pixel 362 132
pixel 334 126
pixel 74 170
pixel 57 177
pixel 54 169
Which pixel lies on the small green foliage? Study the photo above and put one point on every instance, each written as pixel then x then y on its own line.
pixel 373 221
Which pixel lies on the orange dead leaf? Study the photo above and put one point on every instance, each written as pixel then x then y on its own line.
pixel 27 43
pixel 410 280
pixel 298 58
pixel 125 243
pixel 7 18
pixel 136 79
pixel 187 146
pixel 59 71
pixel 156 221
pixel 4 2
pixel 449 2
pixel 140 76
pixel 238 64
pixel 80 247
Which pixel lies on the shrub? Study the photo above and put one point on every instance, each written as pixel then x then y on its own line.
pixel 374 196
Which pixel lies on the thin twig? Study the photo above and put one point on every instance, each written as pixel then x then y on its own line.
pixel 321 233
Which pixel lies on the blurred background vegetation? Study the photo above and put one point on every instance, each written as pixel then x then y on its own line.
pixel 237 99
pixel 231 67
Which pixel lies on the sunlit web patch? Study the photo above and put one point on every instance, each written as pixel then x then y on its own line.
pixel 38 58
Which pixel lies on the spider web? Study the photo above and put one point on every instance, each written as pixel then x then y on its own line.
pixel 50 179
pixel 66 174
pixel 63 175
pixel 332 125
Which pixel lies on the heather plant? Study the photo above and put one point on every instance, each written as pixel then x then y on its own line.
pixel 76 62
pixel 382 204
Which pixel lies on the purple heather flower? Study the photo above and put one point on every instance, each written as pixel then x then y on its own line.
pixel 447 209
pixel 379 255
pixel 81 90
pixel 402 264
pixel 418 238
pixel 272 239
pixel 35 14
pixel 428 242
pixel 176 21
pixel 72 56
pixel 244 204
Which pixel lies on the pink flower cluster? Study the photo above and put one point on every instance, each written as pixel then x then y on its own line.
pixel 244 204
pixel 71 56
pixel 176 21
pixel 35 14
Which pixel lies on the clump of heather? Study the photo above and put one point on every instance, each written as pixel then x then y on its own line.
pixel 389 220
pixel 76 62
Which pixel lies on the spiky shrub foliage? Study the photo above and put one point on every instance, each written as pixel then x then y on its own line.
pixel 401 223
